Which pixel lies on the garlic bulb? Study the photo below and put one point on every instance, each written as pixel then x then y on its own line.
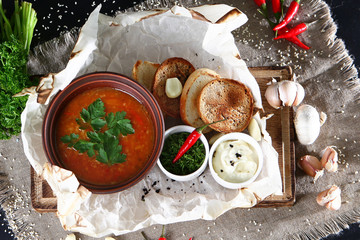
pixel 330 198
pixel 307 124
pixel 329 159
pixel 284 93
pixel 311 166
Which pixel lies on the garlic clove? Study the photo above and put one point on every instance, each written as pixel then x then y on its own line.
pixel 300 94
pixel 330 198
pixel 311 166
pixel 329 159
pixel 254 130
pixel 287 92
pixel 70 236
pixel 334 204
pixel 173 87
pixel 272 95
pixel 307 124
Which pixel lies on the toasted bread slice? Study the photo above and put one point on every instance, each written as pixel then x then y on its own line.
pixel 170 68
pixel 188 101
pixel 143 72
pixel 226 99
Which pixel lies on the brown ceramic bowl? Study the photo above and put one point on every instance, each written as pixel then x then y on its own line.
pixel 98 80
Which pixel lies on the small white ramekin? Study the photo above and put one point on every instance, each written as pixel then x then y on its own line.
pixel 236 136
pixel 191 176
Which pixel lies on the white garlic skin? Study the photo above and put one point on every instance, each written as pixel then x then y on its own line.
pixel 300 94
pixel 70 236
pixel 307 124
pixel 330 198
pixel 329 159
pixel 311 166
pixel 284 93
pixel 272 95
pixel 287 92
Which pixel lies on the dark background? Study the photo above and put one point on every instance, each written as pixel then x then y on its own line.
pixel 55 17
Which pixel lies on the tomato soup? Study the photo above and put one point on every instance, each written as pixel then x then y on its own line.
pixel 137 146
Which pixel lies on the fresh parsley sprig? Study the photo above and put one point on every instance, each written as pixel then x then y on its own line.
pixel 16 33
pixel 102 143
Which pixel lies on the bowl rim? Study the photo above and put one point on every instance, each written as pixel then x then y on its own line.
pixel 201 169
pixel 236 136
pixel 83 82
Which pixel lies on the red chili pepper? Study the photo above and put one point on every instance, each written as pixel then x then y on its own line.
pixel 293 39
pixel 293 32
pixel 191 140
pixel 162 237
pixel 276 7
pixel 262 5
pixel 297 41
pixel 294 7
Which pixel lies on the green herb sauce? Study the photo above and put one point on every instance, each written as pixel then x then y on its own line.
pixel 189 162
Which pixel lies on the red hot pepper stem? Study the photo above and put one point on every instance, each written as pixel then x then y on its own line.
pixel 262 5
pixel 294 7
pixel 282 7
pixel 162 237
pixel 191 140
pixel 300 28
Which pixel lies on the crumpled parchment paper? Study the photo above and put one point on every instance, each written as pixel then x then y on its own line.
pixel 201 35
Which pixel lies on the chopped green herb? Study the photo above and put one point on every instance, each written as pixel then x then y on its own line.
pixel 102 144
pixel 189 162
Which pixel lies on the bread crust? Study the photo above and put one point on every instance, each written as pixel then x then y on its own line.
pixel 144 72
pixel 226 99
pixel 189 97
pixel 172 67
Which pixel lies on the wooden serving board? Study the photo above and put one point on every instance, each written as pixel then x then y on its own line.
pixel 280 128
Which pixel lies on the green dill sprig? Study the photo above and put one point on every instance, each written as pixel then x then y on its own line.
pixel 189 162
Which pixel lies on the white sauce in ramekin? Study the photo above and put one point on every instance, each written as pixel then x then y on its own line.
pixel 235 161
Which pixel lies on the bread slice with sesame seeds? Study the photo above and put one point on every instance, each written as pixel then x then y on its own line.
pixel 144 72
pixel 171 68
pixel 226 99
pixel 188 101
